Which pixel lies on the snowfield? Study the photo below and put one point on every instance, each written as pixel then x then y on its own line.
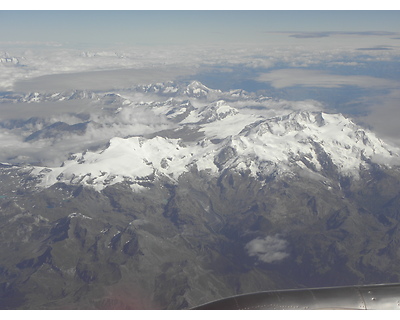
pixel 228 139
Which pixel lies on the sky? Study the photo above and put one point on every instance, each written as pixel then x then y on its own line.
pixel 133 27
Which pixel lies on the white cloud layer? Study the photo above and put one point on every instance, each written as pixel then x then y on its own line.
pixel 51 68
pixel 317 78
pixel 20 63
pixel 268 249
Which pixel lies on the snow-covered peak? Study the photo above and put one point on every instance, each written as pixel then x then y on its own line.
pixel 163 88
pixel 310 138
pixel 297 121
pixel 133 160
pixel 195 89
pixel 217 111
pixel 326 143
pixel 198 90
pixel 9 60
pixel 197 85
pixel 38 97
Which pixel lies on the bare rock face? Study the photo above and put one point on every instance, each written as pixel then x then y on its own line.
pixel 203 238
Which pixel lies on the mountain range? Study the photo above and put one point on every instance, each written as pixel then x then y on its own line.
pixel 193 195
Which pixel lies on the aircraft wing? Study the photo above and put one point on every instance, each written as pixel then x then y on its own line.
pixel 371 297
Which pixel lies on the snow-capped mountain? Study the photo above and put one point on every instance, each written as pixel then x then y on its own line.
pixel 163 190
pixel 7 59
pixel 198 90
pixel 38 97
pixel 195 89
pixel 192 127
pixel 170 89
pixel 320 142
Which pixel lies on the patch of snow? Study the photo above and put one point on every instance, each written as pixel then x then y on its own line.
pixel 302 139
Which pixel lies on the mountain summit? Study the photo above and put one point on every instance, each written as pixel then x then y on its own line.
pixel 329 144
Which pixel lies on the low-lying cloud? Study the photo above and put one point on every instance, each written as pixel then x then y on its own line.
pixel 336 33
pixel 376 48
pixel 383 116
pixel 283 78
pixel 51 146
pixel 306 35
pixel 99 80
pixel 269 249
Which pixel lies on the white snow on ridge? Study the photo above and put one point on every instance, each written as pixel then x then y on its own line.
pixel 130 159
pixel 218 136
pixel 301 134
pixel 258 145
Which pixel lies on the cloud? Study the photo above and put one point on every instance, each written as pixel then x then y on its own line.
pixel 101 123
pixel 336 33
pixel 260 63
pixel 270 249
pixel 310 35
pixel 59 68
pixel 367 33
pixel 383 116
pixel 99 80
pixel 377 48
pixel 54 70
pixel 346 63
pixel 380 104
pixel 15 150
pixel 317 78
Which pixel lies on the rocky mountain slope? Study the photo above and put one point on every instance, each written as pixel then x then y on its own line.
pixel 219 201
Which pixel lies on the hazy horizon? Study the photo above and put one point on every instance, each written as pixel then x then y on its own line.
pixel 346 61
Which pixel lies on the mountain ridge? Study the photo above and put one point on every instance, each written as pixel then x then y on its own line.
pixel 185 201
pixel 303 140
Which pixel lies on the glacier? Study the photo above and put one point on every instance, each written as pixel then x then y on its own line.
pixel 226 138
